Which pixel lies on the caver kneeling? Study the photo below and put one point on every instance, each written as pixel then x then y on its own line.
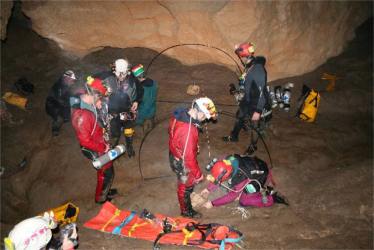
pixel 244 177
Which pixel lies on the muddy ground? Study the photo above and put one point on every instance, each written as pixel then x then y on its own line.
pixel 325 169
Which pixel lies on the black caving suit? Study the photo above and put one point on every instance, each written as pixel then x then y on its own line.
pixel 119 103
pixel 252 168
pixel 256 95
pixel 257 171
pixel 57 104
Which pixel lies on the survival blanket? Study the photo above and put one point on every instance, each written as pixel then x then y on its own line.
pixel 162 229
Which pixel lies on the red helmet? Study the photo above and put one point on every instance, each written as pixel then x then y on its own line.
pixel 245 49
pixel 221 171
pixel 97 85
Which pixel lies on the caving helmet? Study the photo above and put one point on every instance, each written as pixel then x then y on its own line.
pixel 206 105
pixel 221 171
pixel 138 71
pixel 33 233
pixel 70 74
pixel 245 49
pixel 121 67
pixel 96 85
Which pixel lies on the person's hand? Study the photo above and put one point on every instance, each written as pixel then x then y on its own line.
pixel 205 193
pixel 208 205
pixel 67 245
pixel 134 106
pixel 256 116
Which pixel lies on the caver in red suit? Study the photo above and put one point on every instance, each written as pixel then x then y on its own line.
pixel 91 137
pixel 183 148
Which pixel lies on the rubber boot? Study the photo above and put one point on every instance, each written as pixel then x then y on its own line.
pixel 112 193
pixel 129 149
pixel 189 211
pixel 105 178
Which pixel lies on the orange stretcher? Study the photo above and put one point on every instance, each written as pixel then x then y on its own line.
pixel 161 229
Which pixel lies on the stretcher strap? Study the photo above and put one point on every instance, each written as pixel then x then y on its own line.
pixel 187 235
pixel 116 213
pixel 126 221
pixel 135 226
pixel 229 240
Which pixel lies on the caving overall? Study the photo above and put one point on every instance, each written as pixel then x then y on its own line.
pixel 251 182
pixel 91 139
pixel 256 98
pixel 147 108
pixel 124 94
pixel 184 165
pixel 57 105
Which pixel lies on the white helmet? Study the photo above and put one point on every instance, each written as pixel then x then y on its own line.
pixel 121 67
pixel 33 233
pixel 70 74
pixel 206 106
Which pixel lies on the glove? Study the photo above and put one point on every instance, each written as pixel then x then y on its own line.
pixel 204 193
pixel 208 205
pixel 197 200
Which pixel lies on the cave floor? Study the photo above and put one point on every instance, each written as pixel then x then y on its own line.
pixel 323 168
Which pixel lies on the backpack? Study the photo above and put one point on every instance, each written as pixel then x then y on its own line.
pixel 309 104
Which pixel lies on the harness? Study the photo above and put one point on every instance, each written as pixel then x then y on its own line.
pixel 181 169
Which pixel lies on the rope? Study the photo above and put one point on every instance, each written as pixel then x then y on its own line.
pixel 207 139
pixel 192 44
pixel 141 146
pixel 185 102
pixel 257 131
pixel 265 145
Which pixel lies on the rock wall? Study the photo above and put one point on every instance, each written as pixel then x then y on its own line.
pixel 294 36
pixel 6 11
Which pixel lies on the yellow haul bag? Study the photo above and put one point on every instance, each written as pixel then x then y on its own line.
pixel 15 99
pixel 66 214
pixel 309 107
